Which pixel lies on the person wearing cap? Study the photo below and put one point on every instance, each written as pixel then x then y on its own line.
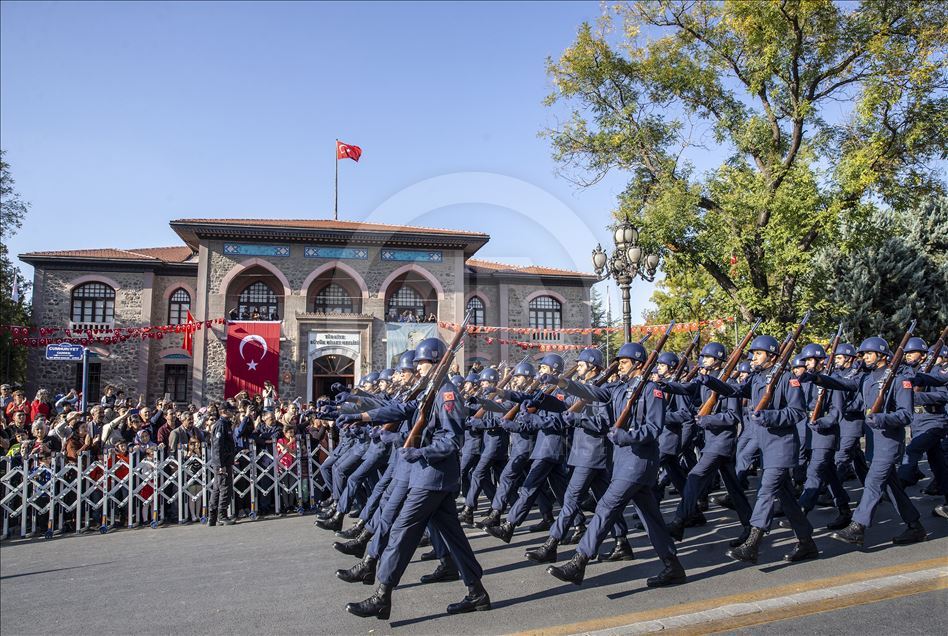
pixel 798 368
pixel 888 435
pixel 6 396
pixel 850 458
pixel 929 421
pixel 720 435
pixel 494 452
pixel 220 460
pixel 774 427
pixel 635 457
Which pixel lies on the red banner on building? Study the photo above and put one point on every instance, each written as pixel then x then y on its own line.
pixel 253 356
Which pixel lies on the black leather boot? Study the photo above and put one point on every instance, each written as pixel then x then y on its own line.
pixel 745 532
pixel 446 571
pixel 543 524
pixel 354 547
pixel 697 519
pixel 671 574
pixel 854 533
pixel 503 532
pixel 805 549
pixel 332 523
pixel 574 537
pixel 212 520
pixel 477 600
pixel 352 532
pixel 722 500
pixel 492 519
pixel 425 541
pixel 326 513
pixel 378 605
pixel 430 555
pixel 676 529
pixel 573 571
pixel 546 553
pixel 843 519
pixel 748 550
pixel 621 552
pixel 915 533
pixel 361 572
pixel 466 516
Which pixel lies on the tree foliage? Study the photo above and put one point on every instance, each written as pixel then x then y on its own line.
pixel 12 212
pixel 822 114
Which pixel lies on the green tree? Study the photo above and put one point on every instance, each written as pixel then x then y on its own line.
pixel 879 288
pixel 12 211
pixel 822 114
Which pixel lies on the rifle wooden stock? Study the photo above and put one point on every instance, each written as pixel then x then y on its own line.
pixel 626 413
pixel 936 349
pixel 821 393
pixel 500 385
pixel 781 365
pixel 438 374
pixel 580 404
pixel 708 406
pixel 680 368
pixel 512 413
pixel 889 376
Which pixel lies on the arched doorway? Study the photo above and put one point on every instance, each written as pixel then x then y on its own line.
pixel 329 369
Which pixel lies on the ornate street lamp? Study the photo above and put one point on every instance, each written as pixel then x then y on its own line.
pixel 627 262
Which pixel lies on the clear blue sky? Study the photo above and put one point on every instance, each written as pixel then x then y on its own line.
pixel 117 118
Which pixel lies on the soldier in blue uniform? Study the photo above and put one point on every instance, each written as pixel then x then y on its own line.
pixel 824 441
pixel 547 457
pixel 720 429
pixel 888 432
pixel 634 472
pixel 774 429
pixel 493 453
pixel 798 368
pixel 933 395
pixel 850 457
pixel 590 458
pixel 435 477
pixel 677 413
pixel 473 438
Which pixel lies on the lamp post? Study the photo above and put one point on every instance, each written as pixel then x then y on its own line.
pixel 628 261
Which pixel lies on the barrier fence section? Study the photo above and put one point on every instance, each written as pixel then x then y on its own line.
pixel 148 488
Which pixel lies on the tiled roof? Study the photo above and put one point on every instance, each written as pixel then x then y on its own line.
pixel 177 254
pixel 535 270
pixel 329 224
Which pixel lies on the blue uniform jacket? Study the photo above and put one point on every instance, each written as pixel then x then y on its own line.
pixel 496 437
pixel 549 426
pixel 929 401
pixel 720 426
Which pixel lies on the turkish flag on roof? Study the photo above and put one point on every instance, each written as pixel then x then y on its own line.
pixel 347 151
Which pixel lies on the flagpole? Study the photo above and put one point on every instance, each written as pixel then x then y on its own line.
pixel 335 157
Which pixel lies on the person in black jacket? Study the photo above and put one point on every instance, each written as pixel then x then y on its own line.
pixel 220 459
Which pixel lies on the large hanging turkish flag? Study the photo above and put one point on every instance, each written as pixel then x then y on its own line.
pixel 253 356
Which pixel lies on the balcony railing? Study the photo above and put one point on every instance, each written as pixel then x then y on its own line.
pixel 92 326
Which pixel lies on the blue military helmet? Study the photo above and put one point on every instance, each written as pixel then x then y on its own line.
pixel 714 350
pixel 371 378
pixel 797 362
pixel 430 350
pixel 525 369
pixel 457 379
pixel 765 343
pixel 916 344
pixel 386 374
pixel 406 361
pixel 591 356
pixel 489 375
pixel 875 344
pixel 472 377
pixel 554 361
pixel 846 349
pixel 668 358
pixel 813 350
pixel 744 366
pixel 632 351
pixel 943 353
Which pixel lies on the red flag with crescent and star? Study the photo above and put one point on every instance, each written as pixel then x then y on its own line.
pixel 253 356
pixel 347 151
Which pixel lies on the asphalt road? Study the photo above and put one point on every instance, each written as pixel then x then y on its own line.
pixel 277 576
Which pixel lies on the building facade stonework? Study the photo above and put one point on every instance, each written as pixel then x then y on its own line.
pixel 343 293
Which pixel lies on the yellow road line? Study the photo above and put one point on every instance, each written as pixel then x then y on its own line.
pixel 745 597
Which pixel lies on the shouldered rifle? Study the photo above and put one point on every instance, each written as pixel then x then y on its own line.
pixel 889 376
pixel 643 376
pixel 680 368
pixel 936 349
pixel 512 413
pixel 580 404
pixel 500 385
pixel 728 369
pixel 821 393
pixel 781 365
pixel 438 374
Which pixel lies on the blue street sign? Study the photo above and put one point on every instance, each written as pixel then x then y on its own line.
pixel 64 352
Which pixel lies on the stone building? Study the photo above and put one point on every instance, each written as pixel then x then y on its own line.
pixel 341 291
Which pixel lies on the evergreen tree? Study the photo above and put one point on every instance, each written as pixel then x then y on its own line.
pixel 12 211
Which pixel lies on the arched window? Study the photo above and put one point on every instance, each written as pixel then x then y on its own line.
pixel 475 307
pixel 178 306
pixel 406 299
pixel 93 302
pixel 546 312
pixel 333 299
pixel 257 302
